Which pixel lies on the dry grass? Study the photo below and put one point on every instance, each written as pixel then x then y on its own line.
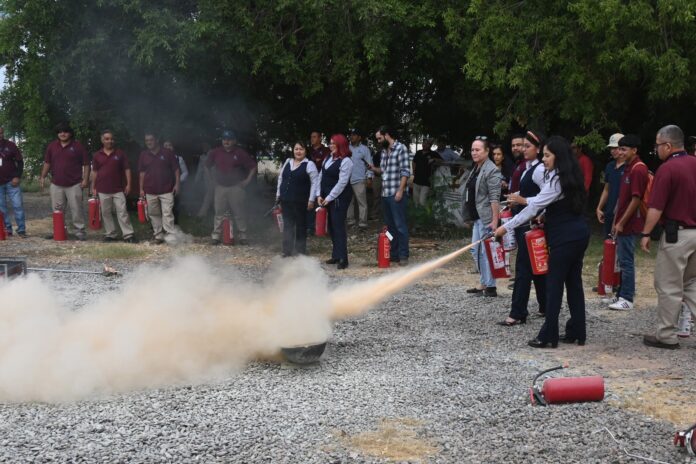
pixel 394 440
pixel 664 398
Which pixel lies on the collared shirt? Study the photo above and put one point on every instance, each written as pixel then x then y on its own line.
pixel 674 189
pixel 11 162
pixel 66 162
pixel 231 167
pixel 550 191
pixel 160 171
pixel 311 171
pixel 634 181
pixel 361 155
pixel 537 175
pixel 394 165
pixel 343 177
pixel 318 155
pixel 110 171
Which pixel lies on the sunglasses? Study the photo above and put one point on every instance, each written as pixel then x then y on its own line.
pixel 481 137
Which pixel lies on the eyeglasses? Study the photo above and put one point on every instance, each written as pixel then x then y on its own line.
pixel 657 145
pixel 481 137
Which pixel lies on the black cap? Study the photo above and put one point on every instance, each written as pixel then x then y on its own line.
pixel 630 140
pixel 355 131
pixel 228 134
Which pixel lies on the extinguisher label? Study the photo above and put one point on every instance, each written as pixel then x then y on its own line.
pixel 389 236
pixel 541 256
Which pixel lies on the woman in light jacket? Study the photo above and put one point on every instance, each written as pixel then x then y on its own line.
pixel 482 206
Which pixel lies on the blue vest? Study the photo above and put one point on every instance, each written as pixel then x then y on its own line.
pixel 296 184
pixel 329 179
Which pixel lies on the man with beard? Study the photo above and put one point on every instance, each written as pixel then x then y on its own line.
pixel 517 149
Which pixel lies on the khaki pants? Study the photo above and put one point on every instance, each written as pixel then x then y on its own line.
pixel 376 206
pixel 675 279
pixel 420 194
pixel 115 203
pixel 359 197
pixel 160 209
pixel 230 199
pixel 72 197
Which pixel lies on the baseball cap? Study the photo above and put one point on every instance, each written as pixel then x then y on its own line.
pixel 630 140
pixel 614 140
pixel 228 134
pixel 355 131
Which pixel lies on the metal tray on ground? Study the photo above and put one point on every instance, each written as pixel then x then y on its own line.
pixel 11 267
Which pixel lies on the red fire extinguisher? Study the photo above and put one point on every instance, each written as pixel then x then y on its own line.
pixel 538 252
pixel 384 248
pixel 142 210
pixel 509 242
pixel 59 233
pixel 94 213
pixel 3 232
pixel 566 389
pixel 227 231
pixel 610 266
pixel 322 222
pixel 687 439
pixel 278 217
pixel 600 286
pixel 496 258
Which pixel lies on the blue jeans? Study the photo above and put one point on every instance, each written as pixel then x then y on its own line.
pixel 395 217
pixel 15 196
pixel 479 253
pixel 625 247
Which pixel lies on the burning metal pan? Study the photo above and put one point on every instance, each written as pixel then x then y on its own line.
pixel 304 354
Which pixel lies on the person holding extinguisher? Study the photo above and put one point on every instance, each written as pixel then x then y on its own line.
pixel 531 182
pixel 335 194
pixel 563 199
pixel 296 192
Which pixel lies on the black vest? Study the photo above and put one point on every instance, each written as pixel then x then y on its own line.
pixel 329 179
pixel 528 188
pixel 562 225
pixel 296 184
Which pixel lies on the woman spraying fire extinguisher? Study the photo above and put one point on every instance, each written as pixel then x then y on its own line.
pixel 567 234
pixel 297 185
pixel 333 194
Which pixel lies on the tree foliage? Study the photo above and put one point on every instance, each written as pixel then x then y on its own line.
pixel 274 70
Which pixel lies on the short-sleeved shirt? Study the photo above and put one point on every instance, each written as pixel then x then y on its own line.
pixel 66 162
pixel 634 181
pixel 674 189
pixel 612 177
pixel 231 167
pixel 10 159
pixel 110 170
pixel 160 171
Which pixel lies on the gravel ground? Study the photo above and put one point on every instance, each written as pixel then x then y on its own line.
pixel 424 377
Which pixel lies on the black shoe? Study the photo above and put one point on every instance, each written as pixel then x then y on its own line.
pixel 158 241
pixel 652 340
pixel 474 290
pixel 536 343
pixel 48 237
pixel 243 242
pixel 108 239
pixel 215 241
pixel 81 236
pixel 489 292
pixel 394 260
pixel 507 323
pixel 342 264
pixel 331 261
pixel 403 262
pixel 130 239
pixel 22 234
pixel 567 339
pixel 285 255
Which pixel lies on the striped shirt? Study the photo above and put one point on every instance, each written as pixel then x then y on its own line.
pixel 394 165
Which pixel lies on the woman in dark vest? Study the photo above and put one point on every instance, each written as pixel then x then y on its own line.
pixel 567 235
pixel 530 184
pixel 335 194
pixel 297 185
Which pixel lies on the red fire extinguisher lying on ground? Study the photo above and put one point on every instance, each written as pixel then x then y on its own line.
pixel 610 266
pixel 384 248
pixel 322 222
pixel 94 207
pixel 227 231
pixel 496 259
pixel 538 251
pixel 142 210
pixel 3 232
pixel 687 439
pixel 566 389
pixel 59 233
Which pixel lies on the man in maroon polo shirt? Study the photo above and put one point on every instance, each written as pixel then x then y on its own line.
pixel 111 169
pixel 672 203
pixel 159 182
pixel 68 162
pixel 234 169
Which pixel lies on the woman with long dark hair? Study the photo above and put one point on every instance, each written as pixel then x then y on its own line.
pixel 504 165
pixel 567 235
pixel 297 185
pixel 335 194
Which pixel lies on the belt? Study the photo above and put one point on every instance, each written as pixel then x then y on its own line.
pixel 686 227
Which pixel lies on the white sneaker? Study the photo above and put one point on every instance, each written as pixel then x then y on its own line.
pixel 622 305
pixel 609 300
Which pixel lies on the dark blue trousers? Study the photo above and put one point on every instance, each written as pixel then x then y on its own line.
pixel 294 227
pixel 524 279
pixel 338 210
pixel 565 270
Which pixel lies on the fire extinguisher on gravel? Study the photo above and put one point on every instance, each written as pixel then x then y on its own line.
pixel 59 232
pixel 384 248
pixel 322 222
pixel 497 261
pixel 94 208
pixel 566 389
pixel 538 251
pixel 687 439
pixel 142 210
pixel 227 231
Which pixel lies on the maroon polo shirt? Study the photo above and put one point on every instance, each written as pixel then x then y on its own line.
pixel 231 167
pixel 66 162
pixel 10 158
pixel 634 181
pixel 318 155
pixel 674 189
pixel 110 170
pixel 517 175
pixel 160 171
